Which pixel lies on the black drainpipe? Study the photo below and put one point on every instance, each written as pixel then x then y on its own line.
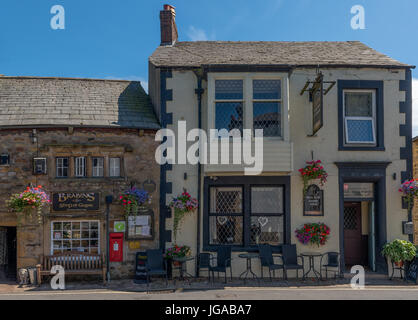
pixel 199 91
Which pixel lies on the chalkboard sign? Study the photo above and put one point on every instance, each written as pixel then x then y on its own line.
pixel 140 262
pixel 412 271
pixel 313 202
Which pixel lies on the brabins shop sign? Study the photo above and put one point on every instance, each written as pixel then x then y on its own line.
pixel 62 201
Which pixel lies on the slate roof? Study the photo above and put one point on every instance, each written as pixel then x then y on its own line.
pixel 34 101
pixel 278 53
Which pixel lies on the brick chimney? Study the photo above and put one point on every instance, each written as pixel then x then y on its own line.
pixel 168 25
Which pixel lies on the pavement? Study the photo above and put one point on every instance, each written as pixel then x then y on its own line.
pixel 201 289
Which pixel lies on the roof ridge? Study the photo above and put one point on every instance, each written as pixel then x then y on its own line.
pixel 66 78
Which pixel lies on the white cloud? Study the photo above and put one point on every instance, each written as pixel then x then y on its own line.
pixel 414 107
pixel 144 82
pixel 196 34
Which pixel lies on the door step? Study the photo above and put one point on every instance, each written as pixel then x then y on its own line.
pixel 369 276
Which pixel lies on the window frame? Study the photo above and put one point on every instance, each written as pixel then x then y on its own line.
pixel 57 167
pixel 70 239
pixel 377 86
pixel 84 167
pixel 248 107
pixel 93 168
pixel 247 183
pixel 372 118
pixel 120 167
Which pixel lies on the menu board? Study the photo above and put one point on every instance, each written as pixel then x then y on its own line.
pixel 140 226
pixel 313 202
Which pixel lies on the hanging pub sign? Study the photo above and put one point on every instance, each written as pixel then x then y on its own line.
pixel 313 202
pixel 63 201
pixel 317 105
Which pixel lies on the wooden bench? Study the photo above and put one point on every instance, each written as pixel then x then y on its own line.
pixel 73 264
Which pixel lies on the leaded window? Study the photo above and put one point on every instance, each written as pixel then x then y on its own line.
pixel 229 100
pixel 267 107
pixel 359 116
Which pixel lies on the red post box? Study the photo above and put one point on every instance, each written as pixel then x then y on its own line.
pixel 116 247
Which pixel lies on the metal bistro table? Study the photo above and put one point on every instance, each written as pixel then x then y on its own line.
pixel 312 256
pixel 184 275
pixel 249 270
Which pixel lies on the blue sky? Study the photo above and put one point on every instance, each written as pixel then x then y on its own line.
pixel 113 39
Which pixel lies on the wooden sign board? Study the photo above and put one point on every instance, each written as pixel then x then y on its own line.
pixel 317 105
pixel 313 202
pixel 64 201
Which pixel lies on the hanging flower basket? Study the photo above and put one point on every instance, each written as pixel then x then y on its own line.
pixel 31 200
pixel 313 233
pixel 312 171
pixel 409 190
pixel 182 205
pixel 134 200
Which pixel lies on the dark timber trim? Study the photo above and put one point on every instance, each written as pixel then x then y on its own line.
pixel 362 84
pixel 366 172
pixel 246 182
pixel 165 187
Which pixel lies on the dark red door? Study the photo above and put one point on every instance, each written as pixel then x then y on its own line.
pixel 352 234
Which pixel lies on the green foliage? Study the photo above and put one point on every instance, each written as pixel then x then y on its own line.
pixel 399 250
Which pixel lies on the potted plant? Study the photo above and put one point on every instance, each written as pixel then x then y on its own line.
pixel 313 233
pixel 409 190
pixel 399 251
pixel 182 205
pixel 132 200
pixel 177 252
pixel 312 171
pixel 33 198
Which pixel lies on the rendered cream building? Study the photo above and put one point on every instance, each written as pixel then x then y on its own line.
pixel 364 143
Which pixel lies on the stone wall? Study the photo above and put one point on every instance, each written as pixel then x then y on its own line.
pixel 134 147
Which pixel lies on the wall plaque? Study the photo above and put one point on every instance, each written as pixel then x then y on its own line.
pixel 63 201
pixel 313 202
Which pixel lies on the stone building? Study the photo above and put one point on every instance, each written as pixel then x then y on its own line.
pixel 77 138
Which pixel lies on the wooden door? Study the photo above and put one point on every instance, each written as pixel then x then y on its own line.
pixel 352 234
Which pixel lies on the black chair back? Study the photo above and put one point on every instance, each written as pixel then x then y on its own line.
pixel 204 260
pixel 155 259
pixel 223 256
pixel 332 259
pixel 289 254
pixel 266 255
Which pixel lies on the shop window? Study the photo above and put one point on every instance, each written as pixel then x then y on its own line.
pixel 62 167
pixel 360 117
pixel 98 167
pixel 114 167
pixel 75 236
pixel 4 159
pixel 80 167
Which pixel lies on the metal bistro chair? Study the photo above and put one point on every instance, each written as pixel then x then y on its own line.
pixel 156 265
pixel 204 262
pixel 267 260
pixel 223 261
pixel 332 261
pixel 290 260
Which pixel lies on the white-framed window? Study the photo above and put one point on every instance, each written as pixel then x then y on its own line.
pixel 249 101
pixel 80 166
pixel 75 236
pixel 359 117
pixel 114 167
pixel 97 167
pixel 62 167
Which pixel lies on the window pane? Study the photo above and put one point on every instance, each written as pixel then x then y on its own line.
pixel 226 200
pixel 98 167
pixel 266 200
pixel 228 115
pixel 358 104
pixel 114 167
pixel 228 89
pixel 360 131
pixel 266 89
pixel 267 117
pixel 267 230
pixel 358 190
pixel 80 166
pixel 226 230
